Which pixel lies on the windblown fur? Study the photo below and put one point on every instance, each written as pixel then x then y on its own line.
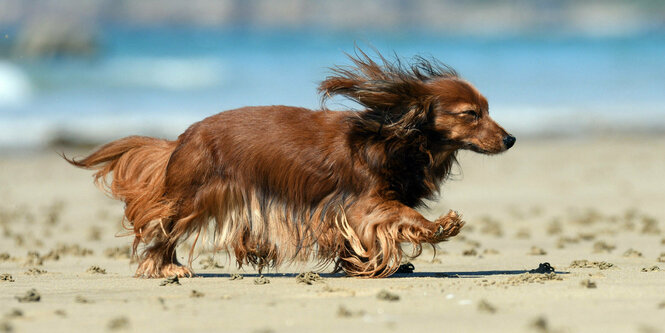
pixel 282 183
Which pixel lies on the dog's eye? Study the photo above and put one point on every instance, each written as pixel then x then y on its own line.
pixel 470 113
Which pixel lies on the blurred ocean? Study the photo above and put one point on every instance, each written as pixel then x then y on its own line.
pixel 158 81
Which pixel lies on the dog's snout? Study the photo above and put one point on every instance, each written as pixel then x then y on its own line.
pixel 509 141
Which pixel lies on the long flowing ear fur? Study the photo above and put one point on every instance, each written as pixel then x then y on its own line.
pixel 396 97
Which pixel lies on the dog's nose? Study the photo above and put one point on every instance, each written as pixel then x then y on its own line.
pixel 509 141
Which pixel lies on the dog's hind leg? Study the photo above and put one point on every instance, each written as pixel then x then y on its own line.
pixel 159 258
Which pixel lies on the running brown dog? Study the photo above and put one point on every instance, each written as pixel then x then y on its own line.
pixel 280 183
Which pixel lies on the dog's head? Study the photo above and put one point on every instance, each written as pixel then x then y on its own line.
pixel 426 99
pixel 460 117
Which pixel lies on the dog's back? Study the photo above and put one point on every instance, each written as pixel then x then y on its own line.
pixel 297 154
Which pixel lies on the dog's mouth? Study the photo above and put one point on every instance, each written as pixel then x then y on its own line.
pixel 480 150
pixel 449 143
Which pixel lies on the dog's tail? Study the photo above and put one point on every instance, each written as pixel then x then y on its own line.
pixel 138 167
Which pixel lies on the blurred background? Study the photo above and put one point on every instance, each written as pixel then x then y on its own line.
pixel 87 71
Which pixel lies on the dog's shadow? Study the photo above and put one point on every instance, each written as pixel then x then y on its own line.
pixel 469 274
pixel 441 275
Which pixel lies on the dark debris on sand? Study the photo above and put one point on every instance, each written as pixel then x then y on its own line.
pixel 407 268
pixel 123 252
pixel 344 312
pixel 118 323
pixel 236 276
pixel 385 295
pixel 173 280
pixel 653 268
pixel 6 327
pixel 543 268
pixel 30 296
pixel 485 306
pixel 6 277
pixel 14 313
pixel 82 300
pixel 588 284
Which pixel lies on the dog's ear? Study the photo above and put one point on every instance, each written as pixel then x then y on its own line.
pixel 397 99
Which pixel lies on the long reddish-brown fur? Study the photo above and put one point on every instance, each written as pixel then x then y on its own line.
pixel 282 183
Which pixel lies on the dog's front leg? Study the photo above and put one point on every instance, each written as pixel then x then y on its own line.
pixel 374 228
pixel 405 223
pixel 415 228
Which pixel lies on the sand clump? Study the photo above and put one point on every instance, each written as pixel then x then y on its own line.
pixel 537 251
pixel 490 251
pixel 651 269
pixel 328 289
pixel 385 295
pixel 541 325
pixel 123 252
pixel 661 257
pixel 564 240
pixel 35 271
pixel 554 228
pixel 532 278
pixel 586 283
pixel 485 306
pixel 602 246
pixel 261 280
pixel 523 234
pixel 68 250
pixel 95 270
pixel 82 300
pixel 470 252
pixel 6 327
pixel 33 258
pixel 490 226
pixel 602 265
pixel 30 296
pixel 6 277
pixel 308 278
pixel 632 253
pixel 344 312
pixel 236 276
pixel 118 323
pixel 14 313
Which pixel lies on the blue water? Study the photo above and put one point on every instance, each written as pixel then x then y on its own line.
pixel 158 81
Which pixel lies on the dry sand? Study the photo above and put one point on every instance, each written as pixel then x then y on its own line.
pixel 557 201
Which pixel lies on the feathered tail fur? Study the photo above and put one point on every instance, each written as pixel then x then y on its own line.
pixel 138 167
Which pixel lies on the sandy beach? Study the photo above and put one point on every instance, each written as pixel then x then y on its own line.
pixel 593 208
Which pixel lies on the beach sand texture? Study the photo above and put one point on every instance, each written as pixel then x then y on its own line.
pixel 594 208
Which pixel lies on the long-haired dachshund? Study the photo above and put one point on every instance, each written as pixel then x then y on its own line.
pixel 282 183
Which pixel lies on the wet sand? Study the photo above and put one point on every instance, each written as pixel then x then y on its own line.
pixel 592 208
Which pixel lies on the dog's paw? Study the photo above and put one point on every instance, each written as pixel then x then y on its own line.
pixel 176 269
pixel 147 269
pixel 447 226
